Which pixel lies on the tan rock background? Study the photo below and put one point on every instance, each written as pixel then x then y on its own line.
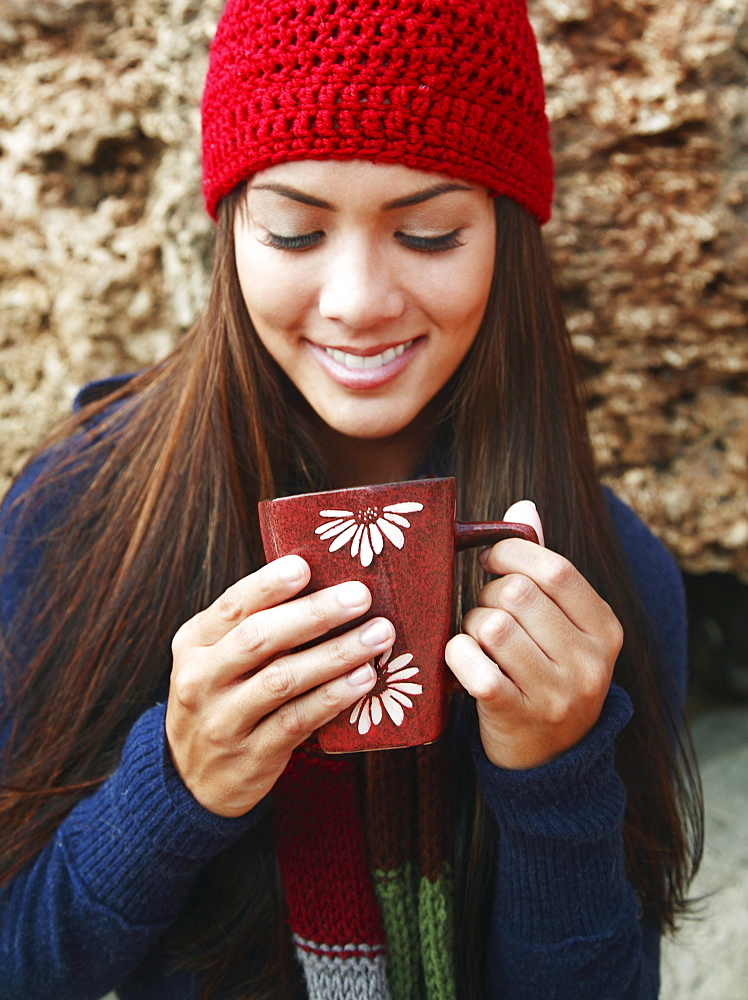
pixel 103 240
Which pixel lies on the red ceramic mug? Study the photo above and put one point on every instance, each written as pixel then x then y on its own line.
pixel 400 540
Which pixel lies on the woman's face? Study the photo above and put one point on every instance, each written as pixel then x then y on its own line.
pixel 366 283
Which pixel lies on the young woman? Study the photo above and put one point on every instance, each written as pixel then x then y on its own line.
pixel 381 309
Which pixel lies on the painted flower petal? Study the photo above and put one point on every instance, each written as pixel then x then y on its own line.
pixel 328 524
pixel 385 656
pixel 344 537
pixel 356 709
pixel 394 709
pixel 364 722
pixel 357 540
pixel 391 532
pixel 377 542
pixel 402 675
pixel 333 528
pixel 376 711
pixel 402 698
pixel 407 688
pixel 367 554
pixel 336 513
pixel 400 661
pixel 402 508
pixel 395 519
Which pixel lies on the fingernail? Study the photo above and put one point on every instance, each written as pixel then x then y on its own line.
pixel 362 676
pixel 483 556
pixel 291 569
pixel 352 594
pixel 376 632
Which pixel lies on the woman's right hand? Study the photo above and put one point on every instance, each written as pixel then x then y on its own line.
pixel 242 696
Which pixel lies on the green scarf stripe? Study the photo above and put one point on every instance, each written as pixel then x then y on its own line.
pixel 436 924
pixel 395 892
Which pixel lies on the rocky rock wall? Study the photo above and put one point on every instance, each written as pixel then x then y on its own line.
pixel 104 243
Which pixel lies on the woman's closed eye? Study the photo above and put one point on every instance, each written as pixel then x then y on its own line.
pixel 422 244
pixel 301 242
pixel 430 244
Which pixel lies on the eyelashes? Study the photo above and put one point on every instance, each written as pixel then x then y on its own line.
pixel 292 242
pixel 431 244
pixel 422 244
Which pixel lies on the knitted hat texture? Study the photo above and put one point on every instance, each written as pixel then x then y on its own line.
pixel 452 86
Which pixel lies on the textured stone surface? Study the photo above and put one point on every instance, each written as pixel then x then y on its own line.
pixel 103 240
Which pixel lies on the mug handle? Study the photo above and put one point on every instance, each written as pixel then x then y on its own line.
pixel 469 534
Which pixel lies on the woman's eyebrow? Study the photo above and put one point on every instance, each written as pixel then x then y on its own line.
pixel 419 196
pixel 410 199
pixel 295 195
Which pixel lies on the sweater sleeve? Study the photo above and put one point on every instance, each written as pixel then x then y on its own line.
pixel 81 916
pixel 566 922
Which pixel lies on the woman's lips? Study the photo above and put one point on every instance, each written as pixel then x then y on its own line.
pixel 365 371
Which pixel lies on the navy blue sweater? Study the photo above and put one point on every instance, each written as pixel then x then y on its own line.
pixel 86 916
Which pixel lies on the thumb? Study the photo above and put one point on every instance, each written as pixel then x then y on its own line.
pixel 525 512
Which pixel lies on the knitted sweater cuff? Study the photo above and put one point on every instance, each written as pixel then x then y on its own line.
pixel 138 843
pixel 560 837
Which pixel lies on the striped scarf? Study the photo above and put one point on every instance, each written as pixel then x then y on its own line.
pixel 364 846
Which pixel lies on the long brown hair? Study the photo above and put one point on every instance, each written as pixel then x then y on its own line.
pixel 207 433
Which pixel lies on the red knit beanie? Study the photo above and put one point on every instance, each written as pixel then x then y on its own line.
pixel 452 86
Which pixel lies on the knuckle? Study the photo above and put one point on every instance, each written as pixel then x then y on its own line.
pixel 250 635
pixel 558 572
pixel 339 651
pixel 615 634
pixel 214 730
pixel 329 696
pixel 228 606
pixel 589 682
pixel 495 629
pixel 278 679
pixel 316 609
pixel 557 708
pixel 265 584
pixel 187 688
pixel 291 719
pixel 518 590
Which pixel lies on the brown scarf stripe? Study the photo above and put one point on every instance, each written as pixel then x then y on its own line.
pixel 390 795
pixel 435 839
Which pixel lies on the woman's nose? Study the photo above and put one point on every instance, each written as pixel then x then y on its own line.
pixel 360 290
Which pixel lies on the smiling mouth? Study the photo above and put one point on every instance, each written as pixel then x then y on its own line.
pixel 370 361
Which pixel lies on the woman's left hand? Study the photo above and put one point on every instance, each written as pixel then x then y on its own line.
pixel 537 653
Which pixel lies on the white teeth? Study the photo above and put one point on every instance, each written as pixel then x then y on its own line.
pixel 372 361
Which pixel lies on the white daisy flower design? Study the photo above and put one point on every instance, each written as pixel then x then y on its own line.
pixel 366 529
pixel 390 694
